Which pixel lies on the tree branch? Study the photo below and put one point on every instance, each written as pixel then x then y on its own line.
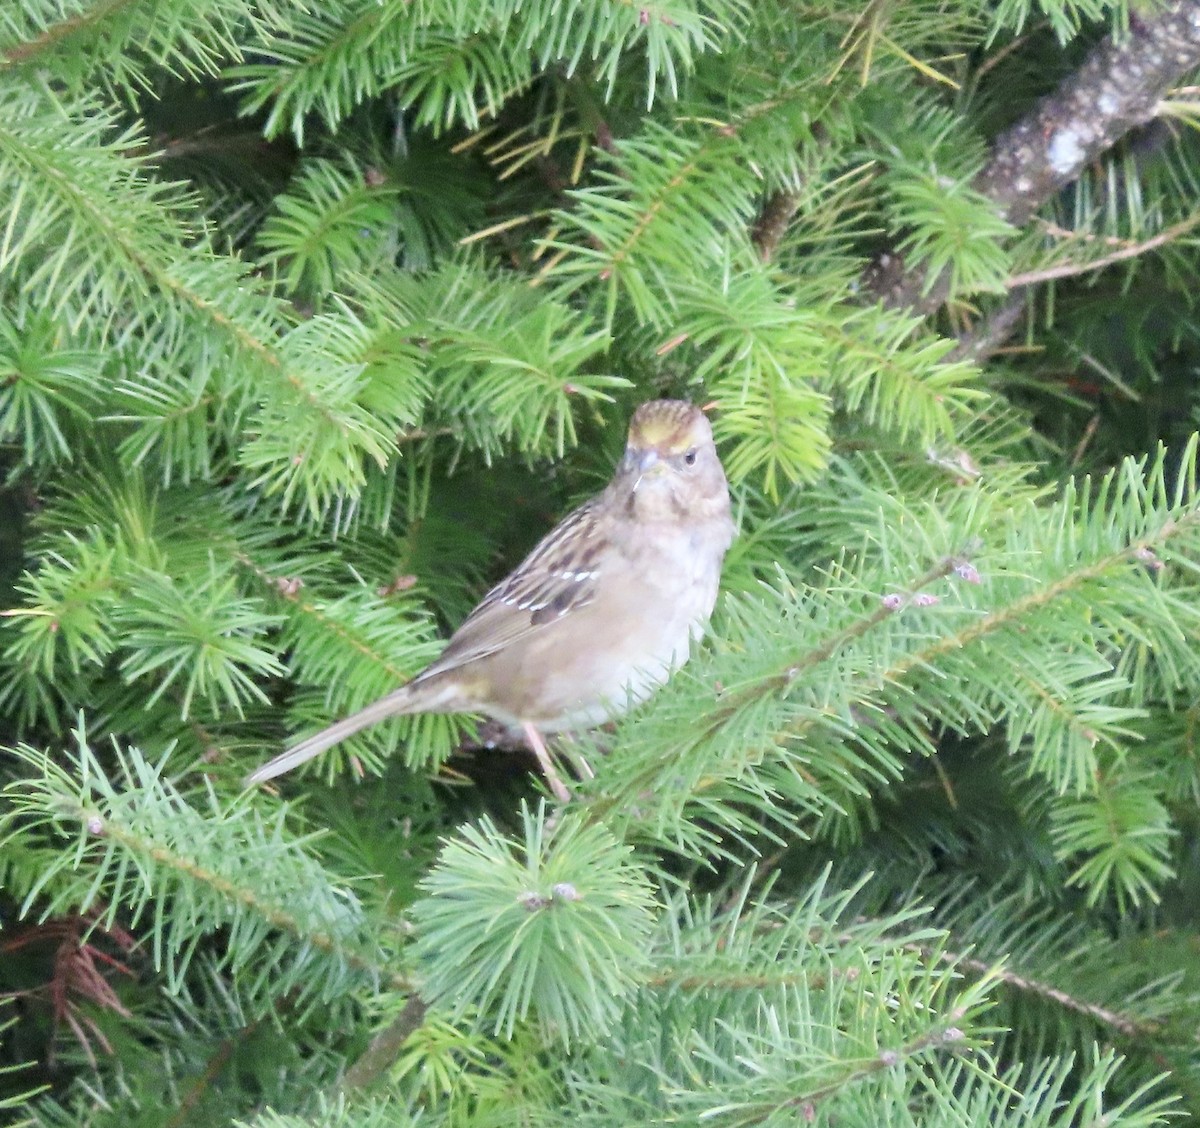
pixel 1130 250
pixel 385 1047
pixel 990 333
pixel 1118 88
pixel 55 33
pixel 772 223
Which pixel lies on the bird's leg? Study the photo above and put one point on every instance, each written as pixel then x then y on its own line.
pixel 538 747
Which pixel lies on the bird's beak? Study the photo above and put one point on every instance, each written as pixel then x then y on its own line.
pixel 646 464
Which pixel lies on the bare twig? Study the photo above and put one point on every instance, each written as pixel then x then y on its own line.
pixel 1128 251
pixel 1088 432
pixel 1129 1027
pixel 991 333
pixel 385 1047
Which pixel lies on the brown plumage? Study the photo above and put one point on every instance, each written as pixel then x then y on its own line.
pixel 597 615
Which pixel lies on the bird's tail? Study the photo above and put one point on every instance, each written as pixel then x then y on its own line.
pixel 396 703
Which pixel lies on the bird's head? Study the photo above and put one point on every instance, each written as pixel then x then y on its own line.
pixel 670 467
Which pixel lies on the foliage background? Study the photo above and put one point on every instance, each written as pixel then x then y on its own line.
pixel 314 318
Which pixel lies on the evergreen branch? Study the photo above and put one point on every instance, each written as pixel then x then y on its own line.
pixel 924 649
pixel 780 682
pixel 788 751
pixel 915 385
pixel 121 218
pixel 43 165
pixel 51 36
pixel 332 220
pixel 640 220
pixel 117 44
pixel 349 650
pixel 620 253
pixel 275 913
pixel 1068 719
pixel 683 980
pixel 214 1067
pixel 567 914
pixel 771 685
pixel 1072 964
pixel 315 61
pixel 512 366
pixel 444 59
pixel 1129 1027
pixel 318 613
pixel 144 847
pixel 770 936
pixel 649 207
pixel 944 1037
pixel 1117 837
pixel 131 224
pixel 811 1042
pixel 222 319
pixel 354 639
pixel 1021 607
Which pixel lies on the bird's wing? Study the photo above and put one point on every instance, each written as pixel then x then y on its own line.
pixel 558 577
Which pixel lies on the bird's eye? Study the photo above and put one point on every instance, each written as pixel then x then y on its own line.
pixel 690 457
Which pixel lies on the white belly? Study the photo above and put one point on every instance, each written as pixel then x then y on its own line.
pixel 678 594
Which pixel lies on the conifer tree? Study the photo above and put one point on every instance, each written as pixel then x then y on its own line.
pixel 313 318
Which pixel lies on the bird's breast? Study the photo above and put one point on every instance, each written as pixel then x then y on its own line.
pixel 655 591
